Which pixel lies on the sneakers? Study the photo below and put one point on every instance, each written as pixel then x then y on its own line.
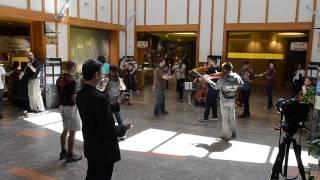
pixel 63 154
pixel 204 120
pixel 165 112
pixel 72 158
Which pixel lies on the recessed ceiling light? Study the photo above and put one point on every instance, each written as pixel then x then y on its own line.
pixel 290 34
pixel 185 33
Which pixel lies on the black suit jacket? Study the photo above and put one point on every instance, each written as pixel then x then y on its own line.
pixel 98 127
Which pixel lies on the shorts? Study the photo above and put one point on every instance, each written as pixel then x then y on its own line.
pixel 70 118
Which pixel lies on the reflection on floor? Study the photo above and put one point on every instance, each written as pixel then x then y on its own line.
pixel 171 147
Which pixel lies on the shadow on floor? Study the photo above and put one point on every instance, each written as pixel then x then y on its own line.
pixel 219 146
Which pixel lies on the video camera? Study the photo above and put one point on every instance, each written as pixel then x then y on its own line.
pixel 293 113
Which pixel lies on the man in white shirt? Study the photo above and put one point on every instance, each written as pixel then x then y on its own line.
pixel 2 85
pixel 298 78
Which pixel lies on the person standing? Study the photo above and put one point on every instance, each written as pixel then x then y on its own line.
pixel 247 76
pixel 100 134
pixel 297 80
pixel 160 86
pixel 270 82
pixel 66 86
pixel 105 65
pixel 32 73
pixel 2 88
pixel 111 87
pixel 228 85
pixel 212 95
pixel 180 72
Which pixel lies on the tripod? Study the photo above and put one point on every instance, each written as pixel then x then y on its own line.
pixel 283 154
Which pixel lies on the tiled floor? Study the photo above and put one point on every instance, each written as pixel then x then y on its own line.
pixel 173 147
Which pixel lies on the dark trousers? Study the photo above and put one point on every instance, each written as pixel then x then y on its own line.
pixel 269 95
pixel 296 88
pixel 211 103
pixel 160 102
pixel 130 82
pixel 245 100
pixel 99 170
pixel 180 85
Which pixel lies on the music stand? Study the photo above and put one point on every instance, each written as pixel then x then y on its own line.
pixel 189 88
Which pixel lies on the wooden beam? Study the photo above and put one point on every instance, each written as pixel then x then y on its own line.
pixel 114 43
pixel 43 6
pixel 111 11
pixel 28 4
pixel 78 8
pixel 165 11
pixel 211 28
pixel 145 12
pixel 56 7
pixel 25 14
pixel 57 45
pixel 225 34
pixel 268 26
pixel 96 8
pixel 239 11
pixel 168 28
pixel 92 24
pixel 297 11
pixel 267 11
pixel 126 32
pixel 134 30
pixel 198 35
pixel 118 11
pixel 188 11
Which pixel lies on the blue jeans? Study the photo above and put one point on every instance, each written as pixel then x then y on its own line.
pixel 1 100
pixel 160 100
pixel 118 117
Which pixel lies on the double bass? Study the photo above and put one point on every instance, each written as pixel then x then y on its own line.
pixel 202 89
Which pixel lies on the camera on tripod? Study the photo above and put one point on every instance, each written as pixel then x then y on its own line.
pixel 293 115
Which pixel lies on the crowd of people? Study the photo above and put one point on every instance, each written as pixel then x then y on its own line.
pixel 95 108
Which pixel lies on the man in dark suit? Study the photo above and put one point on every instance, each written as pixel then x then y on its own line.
pixel 100 134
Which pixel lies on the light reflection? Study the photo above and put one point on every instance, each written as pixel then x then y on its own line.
pixel 172 143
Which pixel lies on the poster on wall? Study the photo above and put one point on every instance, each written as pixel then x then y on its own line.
pixel 52 39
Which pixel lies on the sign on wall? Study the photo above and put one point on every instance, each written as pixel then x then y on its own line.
pixel 142 44
pixel 52 39
pixel 298 46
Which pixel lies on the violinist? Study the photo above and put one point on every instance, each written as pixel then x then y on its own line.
pixel 247 76
pixel 212 95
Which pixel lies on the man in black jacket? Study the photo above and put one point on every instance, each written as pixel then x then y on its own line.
pixel 100 134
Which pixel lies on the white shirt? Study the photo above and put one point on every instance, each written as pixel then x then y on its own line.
pixel 2 73
pixel 298 72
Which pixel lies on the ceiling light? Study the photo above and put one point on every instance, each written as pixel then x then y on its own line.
pixel 291 34
pixel 185 33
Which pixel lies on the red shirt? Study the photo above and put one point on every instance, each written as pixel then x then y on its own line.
pixel 66 86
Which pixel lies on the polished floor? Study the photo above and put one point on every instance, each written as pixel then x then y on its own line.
pixel 172 147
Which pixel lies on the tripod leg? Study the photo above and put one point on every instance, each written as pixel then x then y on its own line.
pixel 297 151
pixel 277 167
pixel 285 169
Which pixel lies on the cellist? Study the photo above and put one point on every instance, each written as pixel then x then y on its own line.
pixel 212 95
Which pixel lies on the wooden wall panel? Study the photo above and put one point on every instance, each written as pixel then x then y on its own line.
pixel 38 40
pixel 114 50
